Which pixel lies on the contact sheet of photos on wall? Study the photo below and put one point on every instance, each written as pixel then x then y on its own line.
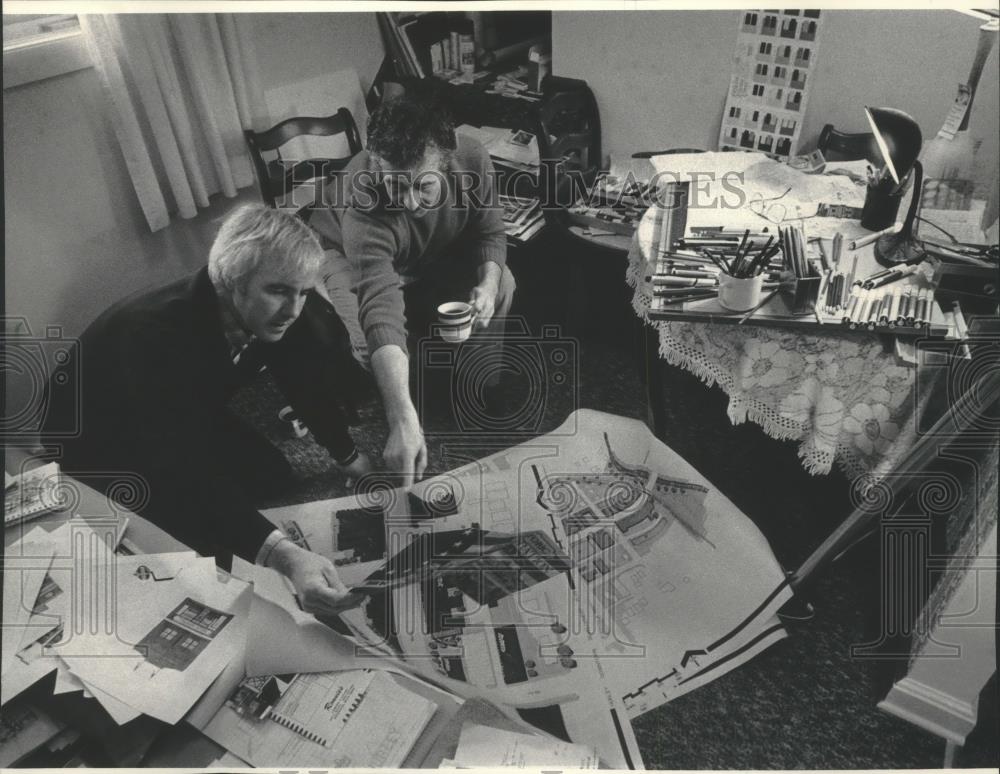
pixel 769 87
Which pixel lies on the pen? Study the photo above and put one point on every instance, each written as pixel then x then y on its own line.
pixel 892 276
pixel 864 282
pixel 684 298
pixel 865 241
pixel 766 298
pixel 822 256
pixel 684 282
pixel 677 271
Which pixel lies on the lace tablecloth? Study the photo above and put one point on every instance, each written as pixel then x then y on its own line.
pixel 842 396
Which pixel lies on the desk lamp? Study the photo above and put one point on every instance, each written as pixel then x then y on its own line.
pixel 899 140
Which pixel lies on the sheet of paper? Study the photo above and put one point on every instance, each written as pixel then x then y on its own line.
pixel 750 191
pixel 623 595
pixel 66 681
pixel 318 706
pixel 708 165
pixel 379 732
pixel 229 761
pixel 383 727
pixel 119 711
pixel 623 167
pixel 498 145
pixel 26 563
pixel 770 81
pixel 648 596
pixel 27 668
pixel 480 746
pixel 172 640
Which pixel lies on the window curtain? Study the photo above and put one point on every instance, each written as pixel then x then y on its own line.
pixel 181 88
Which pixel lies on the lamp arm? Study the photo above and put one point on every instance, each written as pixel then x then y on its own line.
pixel 911 213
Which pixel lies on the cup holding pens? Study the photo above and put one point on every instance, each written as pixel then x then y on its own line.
pixel 738 294
pixel 881 205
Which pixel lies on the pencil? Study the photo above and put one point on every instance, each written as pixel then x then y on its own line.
pixel 746 235
pixel 822 256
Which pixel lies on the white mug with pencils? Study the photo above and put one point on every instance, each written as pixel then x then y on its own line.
pixel 741 279
pixel 738 294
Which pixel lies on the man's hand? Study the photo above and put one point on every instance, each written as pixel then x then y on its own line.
pixel 360 466
pixel 315 579
pixel 406 450
pixel 483 299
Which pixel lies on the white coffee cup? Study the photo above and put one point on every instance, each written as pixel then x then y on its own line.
pixel 738 294
pixel 455 320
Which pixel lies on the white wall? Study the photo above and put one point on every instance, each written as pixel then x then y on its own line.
pixel 660 77
pixel 75 237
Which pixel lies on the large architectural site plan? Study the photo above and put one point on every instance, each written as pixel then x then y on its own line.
pixel 575 581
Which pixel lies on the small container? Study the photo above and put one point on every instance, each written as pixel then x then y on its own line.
pixel 881 205
pixel 455 320
pixel 740 294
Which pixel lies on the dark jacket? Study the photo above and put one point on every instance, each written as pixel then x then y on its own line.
pixel 155 373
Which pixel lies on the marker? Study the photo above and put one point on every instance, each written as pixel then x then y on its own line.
pixel 866 281
pixel 910 307
pixel 851 309
pixel 838 246
pixel 894 307
pixel 893 276
pixel 865 241
pixel 923 307
pixel 883 310
pixel 861 311
pixel 872 319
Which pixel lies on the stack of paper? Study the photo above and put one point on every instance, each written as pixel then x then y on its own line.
pixel 522 218
pixel 30 494
pixel 512 148
pixel 144 634
pixel 347 719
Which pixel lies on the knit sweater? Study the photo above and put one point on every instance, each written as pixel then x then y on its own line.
pixel 388 247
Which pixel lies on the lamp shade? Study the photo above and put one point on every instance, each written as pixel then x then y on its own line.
pixel 898 138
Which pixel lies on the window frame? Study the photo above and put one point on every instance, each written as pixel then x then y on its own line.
pixel 41 57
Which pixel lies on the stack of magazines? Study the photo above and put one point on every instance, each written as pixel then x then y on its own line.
pixel 522 218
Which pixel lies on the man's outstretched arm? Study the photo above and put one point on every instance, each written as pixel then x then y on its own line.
pixel 406 451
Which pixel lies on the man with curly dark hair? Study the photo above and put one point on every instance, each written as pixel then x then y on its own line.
pixel 417 221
